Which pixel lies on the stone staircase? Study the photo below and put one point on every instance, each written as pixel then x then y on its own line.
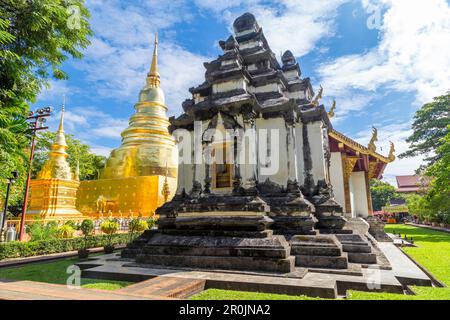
pixel 357 248
pixel 320 251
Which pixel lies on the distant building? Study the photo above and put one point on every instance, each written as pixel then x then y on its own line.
pixel 412 183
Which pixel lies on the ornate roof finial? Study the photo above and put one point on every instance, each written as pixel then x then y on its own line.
pixel 333 107
pixel 60 137
pixel 61 121
pixel 372 146
pixel 391 155
pixel 153 77
pixel 318 97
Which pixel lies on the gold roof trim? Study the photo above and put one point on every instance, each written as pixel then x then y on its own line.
pixel 357 146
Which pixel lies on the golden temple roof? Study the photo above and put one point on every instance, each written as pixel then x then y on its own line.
pixel 357 146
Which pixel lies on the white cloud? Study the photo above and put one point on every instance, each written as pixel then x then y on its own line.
pixel 101 150
pixel 412 56
pixel 55 92
pixel 295 25
pixel 90 125
pixel 120 55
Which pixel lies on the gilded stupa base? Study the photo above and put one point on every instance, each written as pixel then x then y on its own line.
pixel 53 199
pixel 124 197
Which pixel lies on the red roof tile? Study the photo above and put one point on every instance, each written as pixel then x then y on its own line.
pixel 412 181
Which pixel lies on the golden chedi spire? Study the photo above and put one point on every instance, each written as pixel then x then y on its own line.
pixel 153 78
pixel 57 166
pixel 54 191
pixel 146 143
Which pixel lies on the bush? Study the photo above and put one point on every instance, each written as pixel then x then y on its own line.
pixel 72 224
pixel 137 225
pixel 18 249
pixel 151 221
pixel 65 232
pixel 87 227
pixel 39 231
pixel 109 227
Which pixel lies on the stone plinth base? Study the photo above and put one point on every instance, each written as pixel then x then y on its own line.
pixel 294 225
pixel 235 240
pixel 376 229
pixel 357 225
pixel 269 253
pixel 357 248
pixel 260 254
pixel 321 251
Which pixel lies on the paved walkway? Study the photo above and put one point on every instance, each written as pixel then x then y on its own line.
pixel 403 268
pixel 166 287
pixel 30 290
pixel 48 257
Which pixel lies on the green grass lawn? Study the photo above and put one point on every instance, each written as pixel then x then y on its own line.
pixel 215 294
pixel 56 272
pixel 432 252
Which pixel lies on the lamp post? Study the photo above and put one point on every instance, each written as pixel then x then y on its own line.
pixel 36 121
pixel 11 180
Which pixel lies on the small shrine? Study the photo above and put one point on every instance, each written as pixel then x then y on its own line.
pixel 54 191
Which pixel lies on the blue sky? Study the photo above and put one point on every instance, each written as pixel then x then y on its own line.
pixel 381 60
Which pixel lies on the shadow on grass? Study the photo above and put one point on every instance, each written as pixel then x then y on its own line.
pixel 419 234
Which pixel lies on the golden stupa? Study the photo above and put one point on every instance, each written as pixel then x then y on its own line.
pixel 138 174
pixel 54 191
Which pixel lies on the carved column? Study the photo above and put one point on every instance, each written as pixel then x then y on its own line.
pixel 291 156
pixel 348 163
pixel 370 175
pixel 208 161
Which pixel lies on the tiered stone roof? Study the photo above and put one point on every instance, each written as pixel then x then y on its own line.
pixel 263 85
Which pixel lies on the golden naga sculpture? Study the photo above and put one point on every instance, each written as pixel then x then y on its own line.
pixel 318 97
pixel 54 192
pixel 372 146
pixel 391 155
pixel 135 172
pixel 332 109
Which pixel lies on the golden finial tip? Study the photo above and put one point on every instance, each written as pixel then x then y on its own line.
pixel 153 77
pixel 61 121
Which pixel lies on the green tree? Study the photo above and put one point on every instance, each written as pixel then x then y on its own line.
pixel 382 193
pixel 418 205
pixel 36 37
pixel 431 123
pixel 13 156
pixel 438 196
pixel 89 163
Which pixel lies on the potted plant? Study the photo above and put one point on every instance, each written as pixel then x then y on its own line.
pixel 137 226
pixel 109 227
pixel 86 227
